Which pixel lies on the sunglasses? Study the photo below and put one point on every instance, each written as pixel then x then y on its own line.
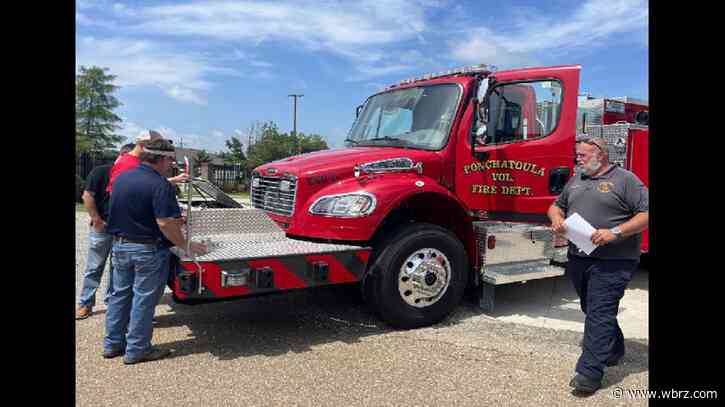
pixel 591 142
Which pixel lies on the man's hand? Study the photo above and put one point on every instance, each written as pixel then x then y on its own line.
pixel 558 225
pixel 600 237
pixel 99 225
pixel 197 249
pixel 179 178
pixel 556 216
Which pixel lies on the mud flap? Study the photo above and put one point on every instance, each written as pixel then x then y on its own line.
pixel 487 296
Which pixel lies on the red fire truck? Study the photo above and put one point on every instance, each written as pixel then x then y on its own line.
pixel 444 184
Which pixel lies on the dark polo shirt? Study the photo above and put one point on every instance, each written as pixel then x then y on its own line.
pixel 606 201
pixel 140 196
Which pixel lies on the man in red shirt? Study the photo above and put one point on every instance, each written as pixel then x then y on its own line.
pixel 131 159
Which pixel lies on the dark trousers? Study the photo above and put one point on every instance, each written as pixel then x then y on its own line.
pixel 600 285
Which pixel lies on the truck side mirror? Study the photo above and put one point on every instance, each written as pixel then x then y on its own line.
pixel 478 130
pixel 482 89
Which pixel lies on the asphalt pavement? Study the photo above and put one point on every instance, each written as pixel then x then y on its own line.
pixel 323 347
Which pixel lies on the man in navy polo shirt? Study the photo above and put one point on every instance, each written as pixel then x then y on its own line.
pixel 145 221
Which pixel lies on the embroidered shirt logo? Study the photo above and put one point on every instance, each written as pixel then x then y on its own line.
pixel 605 186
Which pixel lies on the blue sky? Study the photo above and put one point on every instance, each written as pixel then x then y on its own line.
pixel 204 71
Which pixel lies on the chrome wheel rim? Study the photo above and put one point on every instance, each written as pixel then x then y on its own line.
pixel 424 277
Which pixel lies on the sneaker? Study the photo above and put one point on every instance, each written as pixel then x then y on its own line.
pixel 584 384
pixel 84 312
pixel 153 354
pixel 110 354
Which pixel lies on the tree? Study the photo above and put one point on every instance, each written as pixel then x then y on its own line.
pixel 313 142
pixel 236 150
pixel 95 121
pixel 202 157
pixel 271 145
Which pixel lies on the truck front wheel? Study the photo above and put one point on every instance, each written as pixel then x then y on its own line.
pixel 420 276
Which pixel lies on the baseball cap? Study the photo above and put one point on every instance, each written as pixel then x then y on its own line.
pixel 147 136
pixel 160 147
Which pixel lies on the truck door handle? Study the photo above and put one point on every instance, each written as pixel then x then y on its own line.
pixel 557 179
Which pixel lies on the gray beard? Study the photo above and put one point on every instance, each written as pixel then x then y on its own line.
pixel 591 167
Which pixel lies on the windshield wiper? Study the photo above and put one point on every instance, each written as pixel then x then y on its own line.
pixel 352 141
pixel 388 138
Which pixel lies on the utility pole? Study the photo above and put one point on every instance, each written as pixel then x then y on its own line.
pixel 294 128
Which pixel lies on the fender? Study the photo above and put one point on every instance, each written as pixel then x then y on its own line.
pixel 390 191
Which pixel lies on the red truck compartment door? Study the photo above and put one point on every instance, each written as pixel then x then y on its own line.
pixel 529 145
pixel 638 163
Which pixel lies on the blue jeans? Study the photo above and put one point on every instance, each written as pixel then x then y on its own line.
pixel 99 246
pixel 141 271
pixel 600 285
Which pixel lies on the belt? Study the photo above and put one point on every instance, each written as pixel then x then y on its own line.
pixel 124 239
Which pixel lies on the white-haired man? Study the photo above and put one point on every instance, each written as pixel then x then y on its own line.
pixel 616 203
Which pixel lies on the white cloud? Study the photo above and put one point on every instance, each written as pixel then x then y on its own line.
pixel 185 95
pixel 355 30
pixel 369 71
pixel 209 143
pixel 84 19
pixel 214 142
pixel 483 46
pixel 181 75
pixel 263 75
pixel 325 24
pixel 123 10
pixel 591 25
pixel 260 64
pixel 87 4
pixel 129 130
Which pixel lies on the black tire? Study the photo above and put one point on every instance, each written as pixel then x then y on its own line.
pixel 385 296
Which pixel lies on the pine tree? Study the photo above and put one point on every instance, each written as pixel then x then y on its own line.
pixel 95 121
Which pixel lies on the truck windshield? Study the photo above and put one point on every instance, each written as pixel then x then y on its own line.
pixel 417 117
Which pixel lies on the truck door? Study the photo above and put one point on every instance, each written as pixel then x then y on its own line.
pixel 526 154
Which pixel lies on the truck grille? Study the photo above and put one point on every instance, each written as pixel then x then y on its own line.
pixel 268 195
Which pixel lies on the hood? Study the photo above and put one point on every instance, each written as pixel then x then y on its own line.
pixel 340 161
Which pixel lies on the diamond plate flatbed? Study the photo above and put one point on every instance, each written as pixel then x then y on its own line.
pixel 247 234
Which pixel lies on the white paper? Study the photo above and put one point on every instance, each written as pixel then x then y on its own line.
pixel 579 232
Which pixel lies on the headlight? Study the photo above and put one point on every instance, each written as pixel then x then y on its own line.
pixel 346 206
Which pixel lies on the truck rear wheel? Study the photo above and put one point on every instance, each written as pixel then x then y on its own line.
pixel 420 276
